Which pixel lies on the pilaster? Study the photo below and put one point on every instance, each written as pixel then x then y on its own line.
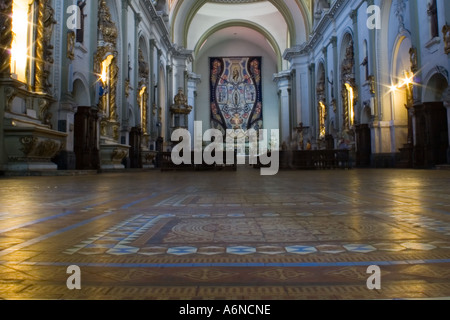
pixel 193 81
pixel 283 80
pixel 124 73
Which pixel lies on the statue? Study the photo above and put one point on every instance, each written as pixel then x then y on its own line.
pixel 432 12
pixel 143 65
pixel 71 45
pixel 321 85
pixel 106 26
pixel 180 99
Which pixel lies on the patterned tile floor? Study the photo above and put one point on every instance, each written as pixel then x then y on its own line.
pixel 226 235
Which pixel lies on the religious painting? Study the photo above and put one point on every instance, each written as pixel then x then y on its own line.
pixel 236 93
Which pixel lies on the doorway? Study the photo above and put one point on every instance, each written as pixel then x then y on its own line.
pixel 85 139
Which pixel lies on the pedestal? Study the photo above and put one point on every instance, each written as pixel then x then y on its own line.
pixel 32 148
pixel 112 155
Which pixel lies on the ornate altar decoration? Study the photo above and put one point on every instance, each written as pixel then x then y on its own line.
pixel 321 108
pixel 147 156
pixel 236 93
pixel 349 90
pixel 105 66
pixel 30 141
pixel 180 111
pixel 143 92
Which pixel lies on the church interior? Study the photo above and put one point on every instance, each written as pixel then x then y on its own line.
pixel 92 94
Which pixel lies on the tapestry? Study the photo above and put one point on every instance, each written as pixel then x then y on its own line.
pixel 236 93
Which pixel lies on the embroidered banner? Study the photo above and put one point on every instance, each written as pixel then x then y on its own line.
pixel 236 93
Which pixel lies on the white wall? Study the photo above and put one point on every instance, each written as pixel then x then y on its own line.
pixel 238 48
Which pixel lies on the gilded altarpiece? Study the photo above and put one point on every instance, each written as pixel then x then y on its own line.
pixel 26 63
pixel 106 67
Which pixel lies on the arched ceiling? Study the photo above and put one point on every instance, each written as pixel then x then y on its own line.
pixel 281 23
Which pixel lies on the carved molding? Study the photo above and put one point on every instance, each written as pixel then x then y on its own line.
pixel 28 144
pixel 118 154
pixel 48 148
pixel 44 115
pixel 10 94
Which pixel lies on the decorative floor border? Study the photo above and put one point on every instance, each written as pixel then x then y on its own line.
pixel 117 239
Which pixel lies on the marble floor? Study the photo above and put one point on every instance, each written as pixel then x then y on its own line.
pixel 308 235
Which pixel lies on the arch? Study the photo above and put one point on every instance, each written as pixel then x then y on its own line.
pixel 320 68
pixel 143 45
pixel 131 116
pixel 246 24
pixel 307 15
pixel 80 91
pixel 400 70
pixel 280 5
pixel 435 87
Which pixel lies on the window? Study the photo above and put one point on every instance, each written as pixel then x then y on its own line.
pixel 21 39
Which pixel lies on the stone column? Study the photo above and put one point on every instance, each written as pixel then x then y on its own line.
pixel 298 58
pixel 357 107
pixel 283 79
pixel 313 100
pixel 446 98
pixel 181 58
pixel 335 81
pixel 193 81
pixel 124 139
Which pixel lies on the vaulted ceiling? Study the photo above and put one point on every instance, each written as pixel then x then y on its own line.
pixel 198 24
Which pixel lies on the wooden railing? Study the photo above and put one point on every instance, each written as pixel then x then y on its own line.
pixel 314 159
pixel 295 160
pixel 165 163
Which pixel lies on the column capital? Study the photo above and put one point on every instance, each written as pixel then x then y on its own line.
pixel 295 51
pixel 125 4
pixel 183 54
pixel 333 41
pixel 138 19
pixel 354 16
pixel 282 78
pixel 194 78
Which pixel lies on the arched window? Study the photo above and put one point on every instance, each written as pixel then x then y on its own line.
pixel 21 44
